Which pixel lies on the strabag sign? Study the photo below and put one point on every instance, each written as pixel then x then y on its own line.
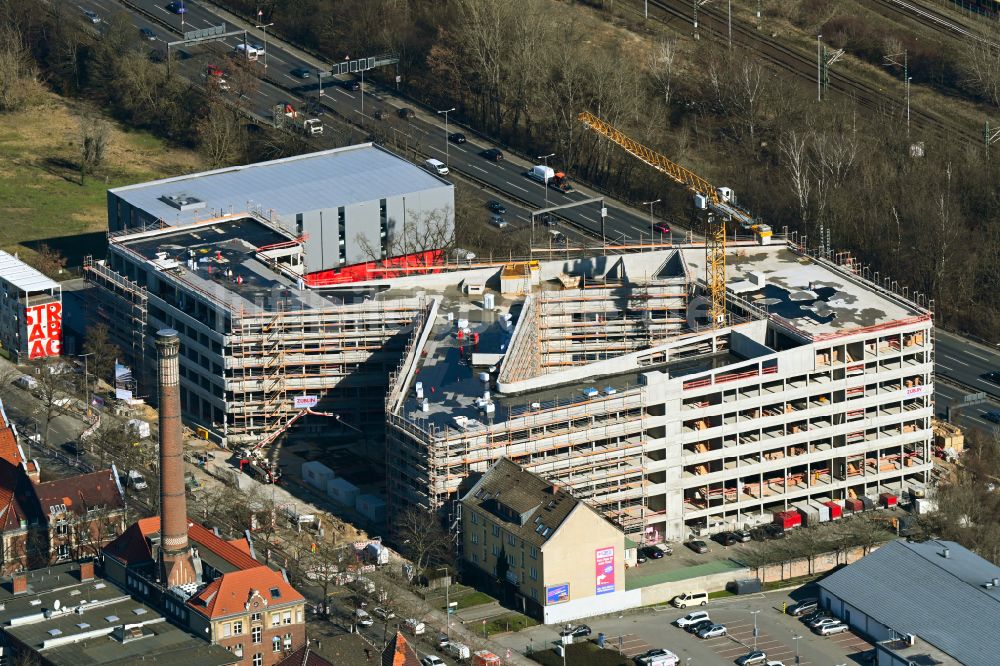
pixel 604 565
pixel 44 324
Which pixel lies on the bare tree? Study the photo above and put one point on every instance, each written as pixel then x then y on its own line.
pixel 93 145
pixel 794 147
pixel 422 231
pixel 50 391
pixel 662 67
pixel 422 538
pixel 222 137
pixel 104 353
pixel 48 260
pixel 18 75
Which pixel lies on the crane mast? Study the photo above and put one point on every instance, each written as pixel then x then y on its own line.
pixel 715 236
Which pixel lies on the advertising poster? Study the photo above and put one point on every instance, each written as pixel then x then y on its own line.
pixel 556 594
pixel 604 561
pixel 44 324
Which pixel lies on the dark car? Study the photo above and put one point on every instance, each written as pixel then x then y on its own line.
pixel 302 72
pixel 378 114
pixel 456 137
pixel 743 536
pixel 492 154
pixel 652 553
pixel 405 113
pixel 767 532
pixel 352 84
pixel 496 207
pixel 992 415
pixel 804 607
pixel 91 16
pixel 698 626
pixel 992 376
pixel 148 34
pixel 726 538
pixel 698 546
pixel 579 631
pixel 176 8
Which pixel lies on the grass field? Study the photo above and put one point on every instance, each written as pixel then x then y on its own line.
pixel 41 198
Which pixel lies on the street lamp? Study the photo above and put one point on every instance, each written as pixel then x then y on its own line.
pixel 651 204
pixel 754 613
pixel 446 112
pixel 545 180
pixel 447 599
pixel 796 639
pixel 86 380
pixel 263 27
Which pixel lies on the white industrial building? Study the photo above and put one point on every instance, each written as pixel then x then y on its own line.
pixel 30 312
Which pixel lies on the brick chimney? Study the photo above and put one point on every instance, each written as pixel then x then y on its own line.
pixel 86 570
pixel 176 566
pixel 19 583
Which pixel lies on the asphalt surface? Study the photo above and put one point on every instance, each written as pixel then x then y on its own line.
pixel 957 359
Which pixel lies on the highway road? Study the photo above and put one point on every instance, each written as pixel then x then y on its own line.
pixel 957 359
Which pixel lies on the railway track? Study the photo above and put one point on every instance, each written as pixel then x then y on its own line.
pixel 929 16
pixel 671 12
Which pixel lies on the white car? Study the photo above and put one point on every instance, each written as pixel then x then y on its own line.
pixel 383 613
pixel 432 660
pixel 363 618
pixel 691 618
pixel 775 662
pixel 831 629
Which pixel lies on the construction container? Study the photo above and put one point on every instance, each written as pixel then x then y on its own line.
pixel 316 474
pixel 342 491
pixel 787 519
pixel 868 502
pixel 853 505
pixel 744 586
pixel 138 428
pixel 485 658
pixel 809 513
pixel 836 511
pixel 371 507
pixel 823 509
pixel 887 500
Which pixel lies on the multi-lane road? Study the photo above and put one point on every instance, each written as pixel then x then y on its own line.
pixel 957 359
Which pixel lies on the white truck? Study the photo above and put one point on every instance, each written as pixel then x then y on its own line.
pixel 541 173
pixel 248 51
pixel 377 554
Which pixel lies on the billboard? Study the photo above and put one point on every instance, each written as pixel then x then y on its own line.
pixel 556 594
pixel 44 324
pixel 604 570
pixel 305 401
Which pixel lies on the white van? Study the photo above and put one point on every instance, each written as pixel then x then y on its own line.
pixel 457 650
pixel 690 599
pixel 249 51
pixel 436 166
pixel 414 626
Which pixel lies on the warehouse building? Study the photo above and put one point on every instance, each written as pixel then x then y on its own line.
pixel 532 536
pixel 350 205
pixel 30 312
pixel 815 399
pixel 923 603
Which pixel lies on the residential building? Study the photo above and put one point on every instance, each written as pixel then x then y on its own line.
pixel 67 615
pixel 933 602
pixel 399 652
pixel 30 312
pixel 305 656
pixel 558 556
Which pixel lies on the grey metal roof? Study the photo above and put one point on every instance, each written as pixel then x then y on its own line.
pixel 913 589
pixel 325 179
pixel 23 276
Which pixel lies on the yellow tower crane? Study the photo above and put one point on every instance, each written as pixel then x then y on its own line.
pixel 719 200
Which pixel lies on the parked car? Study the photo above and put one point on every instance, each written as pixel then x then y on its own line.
pixel 691 618
pixel 767 532
pixel 496 207
pixel 432 660
pixel 578 631
pixel 803 607
pixel 690 599
pixel 302 72
pixel 148 34
pixel 652 553
pixel 492 154
pixel 992 376
pixel 362 617
pixel 774 662
pixel 726 538
pixel 743 536
pixel 712 631
pixel 822 621
pixel 992 415
pixel 456 137
pixel 383 613
pixel 831 629
pixel 815 615
pixel 698 626
pixel 664 548
pixel 91 16
pixel 498 222
pixel 657 656
pixel 406 113
pixel 441 641
pixel 752 658
pixel 698 546
pixel 176 8
pixel 414 626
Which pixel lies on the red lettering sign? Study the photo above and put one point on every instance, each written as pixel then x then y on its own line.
pixel 44 324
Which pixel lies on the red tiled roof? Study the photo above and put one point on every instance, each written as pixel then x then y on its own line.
pixel 9 449
pixel 206 538
pixel 304 656
pixel 399 653
pixel 82 492
pixel 133 546
pixel 242 544
pixel 228 594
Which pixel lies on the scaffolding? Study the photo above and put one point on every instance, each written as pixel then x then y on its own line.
pixel 126 315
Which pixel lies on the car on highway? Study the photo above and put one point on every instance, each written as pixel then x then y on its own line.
pixel 302 72
pixel 492 154
pixel 351 84
pixel 432 660
pixel 993 376
pixel 752 658
pixel 91 16
pixel 662 228
pixel 405 113
pixel 691 618
pixel 698 546
pixel 456 137
pixel 803 607
pixel 496 207
pixel 578 631
pixel 498 222
pixel 176 8
pixel 652 553
pixel 992 415
pixel 713 631
pixel 148 34
pixel 831 629
pixel 698 626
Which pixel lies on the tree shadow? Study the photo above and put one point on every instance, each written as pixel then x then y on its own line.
pixel 74 248
pixel 63 168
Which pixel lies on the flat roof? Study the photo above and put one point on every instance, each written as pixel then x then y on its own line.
pixel 23 276
pixel 324 179
pixel 813 297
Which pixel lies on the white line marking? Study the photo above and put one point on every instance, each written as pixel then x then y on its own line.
pixel 517 186
pixel 479 167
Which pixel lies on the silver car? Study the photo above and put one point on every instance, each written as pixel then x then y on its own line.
pixel 713 631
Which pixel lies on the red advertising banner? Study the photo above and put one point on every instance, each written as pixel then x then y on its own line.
pixel 44 324
pixel 604 565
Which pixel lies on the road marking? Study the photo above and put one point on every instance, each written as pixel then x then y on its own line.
pixel 345 92
pixel 942 365
pixel 981 358
pixel 289 76
pixel 479 167
pixel 517 186
pixel 960 362
pixel 263 93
